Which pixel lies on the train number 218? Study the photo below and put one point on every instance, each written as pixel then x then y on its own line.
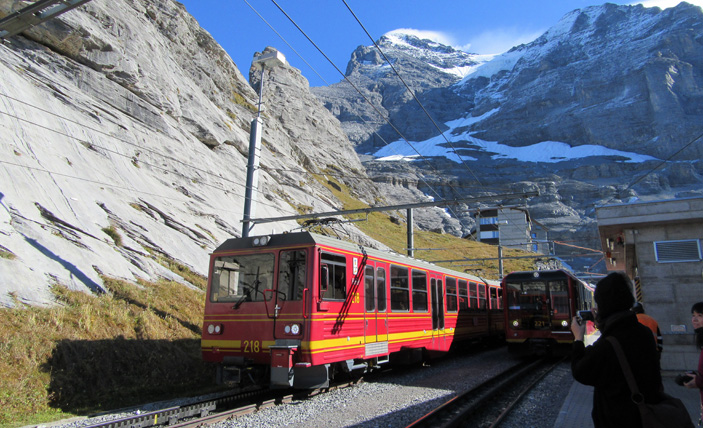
pixel 252 346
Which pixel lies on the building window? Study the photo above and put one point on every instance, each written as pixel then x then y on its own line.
pixel 489 220
pixel 688 250
pixel 489 234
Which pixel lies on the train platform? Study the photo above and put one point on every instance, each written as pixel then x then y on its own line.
pixel 576 410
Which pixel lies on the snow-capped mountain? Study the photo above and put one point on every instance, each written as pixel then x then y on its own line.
pixel 608 94
pixel 407 47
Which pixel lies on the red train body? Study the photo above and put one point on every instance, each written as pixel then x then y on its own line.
pixel 293 310
pixel 539 307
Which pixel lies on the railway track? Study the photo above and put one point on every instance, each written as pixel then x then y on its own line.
pixel 215 410
pixel 489 403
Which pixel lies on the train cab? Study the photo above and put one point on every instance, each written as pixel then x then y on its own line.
pixel 539 307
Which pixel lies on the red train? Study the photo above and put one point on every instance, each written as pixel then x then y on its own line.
pixel 539 307
pixel 294 310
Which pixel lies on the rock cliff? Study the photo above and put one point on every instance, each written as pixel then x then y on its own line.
pixel 125 133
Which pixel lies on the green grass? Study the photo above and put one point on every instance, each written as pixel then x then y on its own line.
pixel 112 233
pixel 139 343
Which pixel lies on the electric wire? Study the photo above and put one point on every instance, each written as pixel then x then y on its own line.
pixel 381 115
pixel 131 157
pixel 411 92
pixel 659 165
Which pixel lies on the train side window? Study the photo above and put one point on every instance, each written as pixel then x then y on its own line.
pixel 292 274
pixel 482 296
pixel 463 295
pixel 336 267
pixel 473 294
pixel 451 294
pixel 369 285
pixel 381 289
pixel 241 278
pixel 419 291
pixel 493 293
pixel 400 292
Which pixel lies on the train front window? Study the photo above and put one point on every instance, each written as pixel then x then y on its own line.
pixel 292 275
pixel 241 278
pixel 528 304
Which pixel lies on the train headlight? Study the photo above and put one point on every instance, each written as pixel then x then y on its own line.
pixel 516 323
pixel 214 329
pixel 260 241
pixel 565 323
pixel 292 329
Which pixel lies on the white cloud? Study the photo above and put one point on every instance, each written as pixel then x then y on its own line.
pixel 435 36
pixel 490 42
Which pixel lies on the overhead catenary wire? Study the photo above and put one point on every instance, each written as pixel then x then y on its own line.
pixel 114 152
pixel 140 160
pixel 356 88
pixel 659 165
pixel 411 92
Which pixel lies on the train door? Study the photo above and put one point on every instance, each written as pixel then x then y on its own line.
pixel 375 313
pixel 285 301
pixel 560 309
pixel 437 296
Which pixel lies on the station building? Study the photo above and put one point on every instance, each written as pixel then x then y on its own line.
pixel 658 245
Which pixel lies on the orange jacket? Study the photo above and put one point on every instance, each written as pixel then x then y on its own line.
pixel 652 324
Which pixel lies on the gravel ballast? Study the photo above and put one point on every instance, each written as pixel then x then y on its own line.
pixel 396 398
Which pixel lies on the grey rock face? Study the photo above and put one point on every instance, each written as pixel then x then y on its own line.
pixel 126 132
pixel 623 77
pixel 385 110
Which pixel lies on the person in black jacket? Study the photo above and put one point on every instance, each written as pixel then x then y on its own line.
pixel 598 366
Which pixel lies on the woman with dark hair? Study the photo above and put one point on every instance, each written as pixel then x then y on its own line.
pixel 697 321
pixel 598 365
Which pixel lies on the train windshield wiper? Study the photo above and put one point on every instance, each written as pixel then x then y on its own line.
pixel 245 296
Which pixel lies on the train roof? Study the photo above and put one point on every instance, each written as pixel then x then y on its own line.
pixel 545 274
pixel 308 238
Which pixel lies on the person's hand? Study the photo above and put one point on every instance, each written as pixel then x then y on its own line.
pixel 579 330
pixel 691 383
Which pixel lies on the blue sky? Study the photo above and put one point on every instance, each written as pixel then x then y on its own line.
pixel 483 27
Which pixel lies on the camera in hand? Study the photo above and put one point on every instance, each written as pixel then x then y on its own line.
pixel 586 315
pixel 684 377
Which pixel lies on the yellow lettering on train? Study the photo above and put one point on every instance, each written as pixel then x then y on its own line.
pixel 356 298
pixel 252 346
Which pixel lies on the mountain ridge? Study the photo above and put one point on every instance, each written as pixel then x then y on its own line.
pixel 628 79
